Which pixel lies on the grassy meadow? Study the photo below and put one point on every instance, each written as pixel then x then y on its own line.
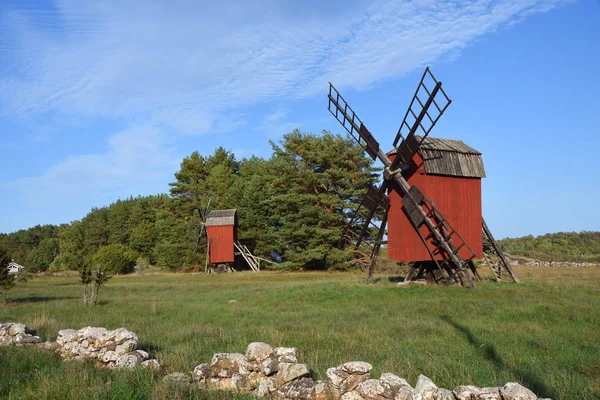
pixel 543 333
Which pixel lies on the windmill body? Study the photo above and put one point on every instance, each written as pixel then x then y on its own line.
pixel 448 172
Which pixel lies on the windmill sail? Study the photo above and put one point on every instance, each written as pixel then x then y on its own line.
pixel 420 117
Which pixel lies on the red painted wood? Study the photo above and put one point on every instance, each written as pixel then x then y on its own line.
pixel 221 239
pixel 457 198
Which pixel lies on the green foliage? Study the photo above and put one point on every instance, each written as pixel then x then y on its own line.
pixel 39 258
pixel 563 246
pixel 71 251
pixel 115 259
pixel 319 179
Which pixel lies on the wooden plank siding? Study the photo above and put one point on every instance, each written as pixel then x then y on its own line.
pixel 455 192
pixel 221 231
pixel 221 239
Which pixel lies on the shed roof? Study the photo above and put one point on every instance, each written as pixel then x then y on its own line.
pixel 450 157
pixel 222 217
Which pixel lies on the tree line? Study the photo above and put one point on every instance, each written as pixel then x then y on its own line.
pixel 562 246
pixel 292 208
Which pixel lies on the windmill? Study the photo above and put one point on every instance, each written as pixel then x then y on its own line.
pixel 451 257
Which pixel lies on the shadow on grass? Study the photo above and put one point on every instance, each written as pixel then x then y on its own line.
pixel 389 279
pixel 151 348
pixel 39 299
pixel 490 354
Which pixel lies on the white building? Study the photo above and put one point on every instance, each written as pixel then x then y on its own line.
pixel 14 268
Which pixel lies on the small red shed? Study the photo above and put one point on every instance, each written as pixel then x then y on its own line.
pixel 449 173
pixel 221 232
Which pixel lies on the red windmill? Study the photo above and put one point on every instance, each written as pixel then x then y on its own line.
pixel 434 188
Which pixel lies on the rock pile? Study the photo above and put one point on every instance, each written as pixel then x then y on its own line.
pixel 13 333
pixel 275 372
pixel 113 349
pixel 263 370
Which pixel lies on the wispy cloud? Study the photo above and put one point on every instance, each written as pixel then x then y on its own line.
pixel 135 158
pixel 138 57
pixel 190 68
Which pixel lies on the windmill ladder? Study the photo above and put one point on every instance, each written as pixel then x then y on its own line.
pixel 495 257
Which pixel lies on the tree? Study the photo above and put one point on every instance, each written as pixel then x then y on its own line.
pixel 115 259
pixel 95 230
pixel 7 281
pixel 319 180
pixel 117 222
pixel 93 277
pixel 39 258
pixel 70 244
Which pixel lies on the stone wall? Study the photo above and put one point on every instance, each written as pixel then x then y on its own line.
pixel 263 370
pixel 111 349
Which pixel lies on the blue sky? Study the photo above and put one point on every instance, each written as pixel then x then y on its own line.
pixel 102 100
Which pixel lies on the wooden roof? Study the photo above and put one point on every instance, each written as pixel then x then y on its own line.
pixel 450 157
pixel 222 217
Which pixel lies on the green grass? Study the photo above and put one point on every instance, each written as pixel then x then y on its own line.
pixel 544 333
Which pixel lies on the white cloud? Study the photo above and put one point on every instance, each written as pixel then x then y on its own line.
pixel 136 158
pixel 135 57
pixel 276 124
pixel 191 67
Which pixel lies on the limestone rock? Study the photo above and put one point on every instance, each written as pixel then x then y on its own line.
pixel 325 391
pixel 374 389
pixel 489 393
pixel 288 372
pixel 254 379
pixel 394 381
pixel 298 389
pixel 240 383
pixel 152 363
pixel 404 393
pixel 16 329
pixel 24 338
pixel 258 351
pixel 444 394
pixel 201 372
pixel 356 367
pixel 224 365
pixel 269 365
pixel 66 335
pixel 425 389
pixel 176 377
pixel 352 395
pixel 265 387
pixel 143 355
pixel 246 367
pixel 126 347
pixel 121 335
pixel 286 351
pixel 465 392
pixel 91 333
pixel 128 361
pixel 7 340
pixel 347 376
pixel 286 354
pixel 515 391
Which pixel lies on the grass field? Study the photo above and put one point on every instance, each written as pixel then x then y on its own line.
pixel 544 333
